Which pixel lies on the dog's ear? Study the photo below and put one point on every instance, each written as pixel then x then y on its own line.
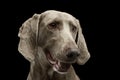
pixel 84 54
pixel 28 34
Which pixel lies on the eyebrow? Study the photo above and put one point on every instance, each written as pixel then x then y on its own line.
pixel 54 20
pixel 73 23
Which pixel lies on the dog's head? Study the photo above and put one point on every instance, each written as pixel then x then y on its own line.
pixel 59 35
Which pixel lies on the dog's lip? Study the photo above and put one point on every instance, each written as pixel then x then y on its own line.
pixel 58 66
pixel 50 59
pixel 61 67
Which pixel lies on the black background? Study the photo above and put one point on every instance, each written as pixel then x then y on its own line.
pixel 96 20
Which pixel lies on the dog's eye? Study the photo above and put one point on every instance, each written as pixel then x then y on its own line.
pixel 53 25
pixel 74 28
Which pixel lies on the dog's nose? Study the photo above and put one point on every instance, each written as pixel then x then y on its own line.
pixel 72 54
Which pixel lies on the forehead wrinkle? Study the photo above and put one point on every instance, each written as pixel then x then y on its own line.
pixel 74 23
pixel 53 17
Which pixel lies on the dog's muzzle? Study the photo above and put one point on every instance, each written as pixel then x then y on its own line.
pixel 58 65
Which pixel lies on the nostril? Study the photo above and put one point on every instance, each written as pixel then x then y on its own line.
pixel 72 54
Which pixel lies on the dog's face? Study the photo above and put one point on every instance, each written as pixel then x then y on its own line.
pixel 60 36
pixel 59 31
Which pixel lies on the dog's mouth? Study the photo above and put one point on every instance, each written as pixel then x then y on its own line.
pixel 57 65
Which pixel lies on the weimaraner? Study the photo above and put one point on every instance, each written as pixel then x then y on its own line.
pixel 52 41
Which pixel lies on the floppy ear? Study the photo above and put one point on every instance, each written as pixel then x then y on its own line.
pixel 84 54
pixel 28 34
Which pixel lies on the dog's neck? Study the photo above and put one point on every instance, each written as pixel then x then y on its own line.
pixel 38 72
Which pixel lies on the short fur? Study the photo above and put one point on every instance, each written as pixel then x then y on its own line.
pixel 56 32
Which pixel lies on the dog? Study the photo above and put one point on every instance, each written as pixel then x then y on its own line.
pixel 52 41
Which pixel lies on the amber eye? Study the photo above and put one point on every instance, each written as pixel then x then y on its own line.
pixel 74 28
pixel 53 25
